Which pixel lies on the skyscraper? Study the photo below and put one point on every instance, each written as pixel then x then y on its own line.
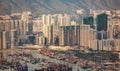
pixel 101 21
pixel 13 37
pixel 61 36
pixel 89 21
pixel 4 40
pixel 69 35
pixel 86 35
pixel 48 33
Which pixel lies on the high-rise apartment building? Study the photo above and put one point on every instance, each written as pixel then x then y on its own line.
pixel 13 37
pixel 47 19
pixel 62 36
pixel 48 33
pixel 26 16
pixel 4 40
pixel 40 39
pixel 37 25
pixel 60 20
pixel 86 35
pixel 69 35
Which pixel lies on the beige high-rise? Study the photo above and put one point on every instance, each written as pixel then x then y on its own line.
pixel 86 35
pixel 4 40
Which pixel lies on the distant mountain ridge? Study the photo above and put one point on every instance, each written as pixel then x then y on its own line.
pixel 53 6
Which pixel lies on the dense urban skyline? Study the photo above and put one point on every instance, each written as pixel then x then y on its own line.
pixel 55 39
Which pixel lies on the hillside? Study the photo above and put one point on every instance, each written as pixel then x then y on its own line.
pixel 53 6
